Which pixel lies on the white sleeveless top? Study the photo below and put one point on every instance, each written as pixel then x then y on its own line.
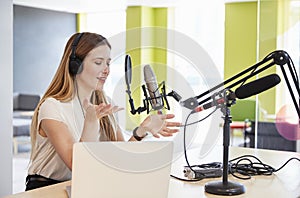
pixel 47 162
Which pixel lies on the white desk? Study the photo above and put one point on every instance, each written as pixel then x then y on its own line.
pixel 285 183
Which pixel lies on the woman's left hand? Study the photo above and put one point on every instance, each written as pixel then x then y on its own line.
pixel 157 124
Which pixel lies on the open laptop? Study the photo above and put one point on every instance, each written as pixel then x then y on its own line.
pixel 121 169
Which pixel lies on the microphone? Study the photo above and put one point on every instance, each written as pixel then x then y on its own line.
pixel 257 86
pixel 151 83
pixel 245 91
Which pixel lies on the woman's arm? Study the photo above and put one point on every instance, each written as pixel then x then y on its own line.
pixel 60 137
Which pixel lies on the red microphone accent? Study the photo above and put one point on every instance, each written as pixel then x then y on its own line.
pixel 209 105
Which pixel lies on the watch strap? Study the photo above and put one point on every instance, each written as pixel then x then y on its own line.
pixel 138 138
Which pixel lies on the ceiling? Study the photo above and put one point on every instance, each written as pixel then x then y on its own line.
pixel 87 6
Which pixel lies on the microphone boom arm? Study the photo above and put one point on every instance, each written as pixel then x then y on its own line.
pixel 278 57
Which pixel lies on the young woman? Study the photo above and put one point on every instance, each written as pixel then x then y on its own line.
pixel 65 114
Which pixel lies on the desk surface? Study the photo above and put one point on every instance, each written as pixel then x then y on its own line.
pixel 284 183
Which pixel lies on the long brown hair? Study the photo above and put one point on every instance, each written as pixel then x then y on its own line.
pixel 62 85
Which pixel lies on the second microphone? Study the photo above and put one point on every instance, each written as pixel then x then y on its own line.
pixel 152 86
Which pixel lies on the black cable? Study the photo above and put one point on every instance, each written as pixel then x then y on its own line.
pixel 184 136
pixel 293 158
pixel 188 124
pixel 184 144
pixel 254 69
pixel 245 167
pixel 294 68
pixel 209 165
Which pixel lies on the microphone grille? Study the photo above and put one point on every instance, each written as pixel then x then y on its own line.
pixel 149 74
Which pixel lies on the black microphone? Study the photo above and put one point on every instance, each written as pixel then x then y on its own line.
pixel 245 91
pixel 151 83
pixel 257 86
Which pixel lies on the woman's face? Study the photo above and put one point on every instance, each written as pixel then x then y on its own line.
pixel 95 68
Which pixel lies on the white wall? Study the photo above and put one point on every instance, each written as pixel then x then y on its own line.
pixel 6 77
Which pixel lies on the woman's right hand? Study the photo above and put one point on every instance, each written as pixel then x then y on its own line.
pixel 95 112
pixel 157 124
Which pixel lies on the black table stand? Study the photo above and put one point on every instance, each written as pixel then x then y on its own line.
pixel 225 187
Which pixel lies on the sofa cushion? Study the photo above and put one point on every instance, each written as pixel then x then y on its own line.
pixel 25 102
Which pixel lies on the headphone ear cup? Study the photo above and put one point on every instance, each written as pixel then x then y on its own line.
pixel 74 66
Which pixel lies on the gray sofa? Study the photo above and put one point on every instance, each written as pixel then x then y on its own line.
pixel 23 108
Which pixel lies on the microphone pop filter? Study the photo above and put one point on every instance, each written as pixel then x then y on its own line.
pixel 128 70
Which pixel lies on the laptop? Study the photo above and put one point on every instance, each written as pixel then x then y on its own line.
pixel 121 169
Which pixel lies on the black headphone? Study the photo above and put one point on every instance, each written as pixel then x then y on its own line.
pixel 75 63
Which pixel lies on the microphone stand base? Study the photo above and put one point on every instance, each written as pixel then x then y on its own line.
pixel 221 188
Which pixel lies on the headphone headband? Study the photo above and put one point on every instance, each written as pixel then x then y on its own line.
pixel 75 62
